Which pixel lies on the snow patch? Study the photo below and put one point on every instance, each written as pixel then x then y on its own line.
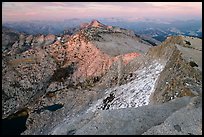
pixel 59 38
pixel 135 93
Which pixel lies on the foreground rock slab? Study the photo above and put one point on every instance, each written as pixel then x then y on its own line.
pixel 127 121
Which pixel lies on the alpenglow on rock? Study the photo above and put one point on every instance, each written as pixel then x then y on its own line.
pixel 102 80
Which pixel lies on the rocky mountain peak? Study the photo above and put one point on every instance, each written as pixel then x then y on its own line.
pixel 96 23
pixel 93 23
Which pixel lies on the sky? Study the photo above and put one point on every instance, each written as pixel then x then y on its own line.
pixel 27 11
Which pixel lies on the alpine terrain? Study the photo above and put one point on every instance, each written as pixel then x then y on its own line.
pixel 100 80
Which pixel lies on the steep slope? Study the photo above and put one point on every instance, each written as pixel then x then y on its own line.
pixel 179 77
pixel 95 57
pixel 190 47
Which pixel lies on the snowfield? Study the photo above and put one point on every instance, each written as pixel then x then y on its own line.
pixel 135 93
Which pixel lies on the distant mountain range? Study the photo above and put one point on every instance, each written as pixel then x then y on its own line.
pixel 161 30
pixel 155 31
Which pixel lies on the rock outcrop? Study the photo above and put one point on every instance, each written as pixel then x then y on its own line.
pixel 185 121
pixel 190 47
pixel 25 78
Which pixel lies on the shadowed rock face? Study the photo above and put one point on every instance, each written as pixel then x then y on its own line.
pixel 101 77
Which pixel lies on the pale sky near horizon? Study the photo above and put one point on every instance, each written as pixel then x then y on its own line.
pixel 25 11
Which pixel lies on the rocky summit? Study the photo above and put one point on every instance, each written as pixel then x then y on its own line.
pixel 100 80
